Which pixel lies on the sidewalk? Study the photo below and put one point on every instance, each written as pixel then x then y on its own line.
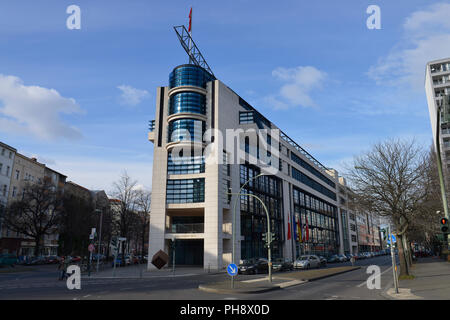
pixel 140 271
pixel 431 282
pixel 279 281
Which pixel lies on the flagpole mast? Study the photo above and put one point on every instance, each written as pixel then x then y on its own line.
pixel 190 33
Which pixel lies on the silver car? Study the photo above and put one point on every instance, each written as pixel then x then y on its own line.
pixel 307 262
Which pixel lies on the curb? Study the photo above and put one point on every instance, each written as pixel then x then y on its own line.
pixel 333 274
pixel 239 290
pixel 283 285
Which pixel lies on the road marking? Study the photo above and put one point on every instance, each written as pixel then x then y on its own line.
pixel 365 282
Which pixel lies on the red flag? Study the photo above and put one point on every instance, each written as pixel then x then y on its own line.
pixel 289 231
pixel 190 20
pixel 307 229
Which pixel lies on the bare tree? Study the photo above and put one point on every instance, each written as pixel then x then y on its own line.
pixel 391 181
pixel 125 191
pixel 144 201
pixel 37 214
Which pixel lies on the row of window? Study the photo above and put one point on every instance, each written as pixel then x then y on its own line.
pixel 188 164
pixel 311 169
pixel 185 191
pixel 186 130
pixel 299 176
pixel 189 75
pixel 191 102
pixel 8 168
pixel 4 152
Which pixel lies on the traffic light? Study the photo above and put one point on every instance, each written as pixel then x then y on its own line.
pixel 444 225
pixel 264 237
pixel 383 231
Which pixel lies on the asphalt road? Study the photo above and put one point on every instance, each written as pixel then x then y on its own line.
pixel 43 284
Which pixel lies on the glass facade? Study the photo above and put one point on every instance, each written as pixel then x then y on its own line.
pixel 299 176
pixel 189 75
pixel 253 215
pixel 321 219
pixel 186 129
pixel 311 169
pixel 185 164
pixel 187 102
pixel 185 190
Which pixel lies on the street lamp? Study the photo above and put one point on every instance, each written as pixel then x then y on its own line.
pixel 173 255
pixel 239 194
pixel 100 236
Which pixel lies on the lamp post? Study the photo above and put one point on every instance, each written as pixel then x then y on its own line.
pixel 173 256
pixel 233 220
pixel 269 233
pixel 100 236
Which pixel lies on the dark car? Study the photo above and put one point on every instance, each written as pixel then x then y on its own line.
pixel 8 259
pixel 253 266
pixel 51 259
pixel 333 258
pixel 323 261
pixel 282 265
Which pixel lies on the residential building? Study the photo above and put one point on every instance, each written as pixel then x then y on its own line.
pixel 7 155
pixel 348 217
pixel 191 210
pixel 437 88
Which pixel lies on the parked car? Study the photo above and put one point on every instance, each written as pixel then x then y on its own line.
pixel 323 261
pixel 247 266
pixel 333 258
pixel 307 262
pixel 8 259
pixel 282 265
pixel 342 258
pixel 52 259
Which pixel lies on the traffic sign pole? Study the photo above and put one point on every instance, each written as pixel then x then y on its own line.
pixel 394 264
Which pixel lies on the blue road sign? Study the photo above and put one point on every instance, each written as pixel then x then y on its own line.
pixel 232 269
pixel 394 240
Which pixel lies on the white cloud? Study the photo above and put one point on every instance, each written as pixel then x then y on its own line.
pixel 426 38
pixel 34 110
pixel 299 83
pixel 131 96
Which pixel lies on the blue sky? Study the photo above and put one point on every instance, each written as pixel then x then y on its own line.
pixel 80 100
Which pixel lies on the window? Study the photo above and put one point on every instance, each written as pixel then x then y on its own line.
pixel 186 129
pixel 353 238
pixel 185 164
pixel 246 117
pixel 3 152
pixel 4 190
pixel 7 170
pixel 14 191
pixel 17 174
pixel 10 155
pixel 186 190
pixel 296 174
pixel 191 102
pixel 1 165
pixel 352 227
pixel 311 169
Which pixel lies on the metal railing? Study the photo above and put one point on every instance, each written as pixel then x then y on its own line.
pixel 151 125
pixel 187 228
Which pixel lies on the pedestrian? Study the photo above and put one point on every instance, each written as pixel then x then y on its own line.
pixel 352 260
pixel 61 268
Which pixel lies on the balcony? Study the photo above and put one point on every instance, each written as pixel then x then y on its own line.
pixel 151 125
pixel 186 228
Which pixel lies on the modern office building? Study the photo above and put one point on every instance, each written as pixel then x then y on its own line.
pixel 209 141
pixel 437 88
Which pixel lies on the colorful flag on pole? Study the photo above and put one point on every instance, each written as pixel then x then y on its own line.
pixel 307 230
pixel 289 231
pixel 294 224
pixel 299 230
pixel 190 20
